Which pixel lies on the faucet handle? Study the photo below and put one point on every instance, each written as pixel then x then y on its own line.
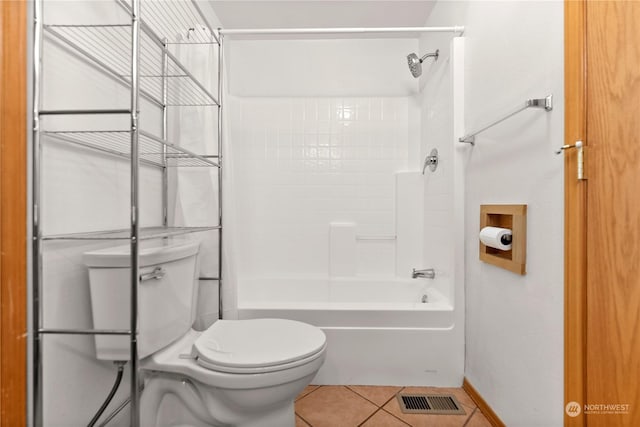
pixel 431 161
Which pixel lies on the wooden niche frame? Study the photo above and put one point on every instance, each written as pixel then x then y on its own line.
pixel 513 217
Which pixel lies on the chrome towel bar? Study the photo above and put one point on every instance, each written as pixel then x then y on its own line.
pixel 546 103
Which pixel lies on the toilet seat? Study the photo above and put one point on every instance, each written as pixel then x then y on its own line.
pixel 257 345
pixel 178 359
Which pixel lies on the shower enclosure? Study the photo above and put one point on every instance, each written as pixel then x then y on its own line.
pixel 331 210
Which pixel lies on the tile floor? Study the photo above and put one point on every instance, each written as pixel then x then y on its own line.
pixel 376 406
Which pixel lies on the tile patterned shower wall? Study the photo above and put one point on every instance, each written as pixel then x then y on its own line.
pixel 303 163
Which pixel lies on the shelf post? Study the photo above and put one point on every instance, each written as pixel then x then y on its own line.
pixel 165 170
pixel 220 135
pixel 36 232
pixel 135 214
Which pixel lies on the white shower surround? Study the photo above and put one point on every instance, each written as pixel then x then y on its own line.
pixel 396 342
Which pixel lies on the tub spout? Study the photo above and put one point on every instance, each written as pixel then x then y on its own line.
pixel 428 273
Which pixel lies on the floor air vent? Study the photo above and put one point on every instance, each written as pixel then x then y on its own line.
pixel 433 404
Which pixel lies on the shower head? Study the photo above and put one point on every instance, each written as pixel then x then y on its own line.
pixel 415 63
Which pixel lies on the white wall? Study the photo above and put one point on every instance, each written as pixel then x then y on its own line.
pixel 346 67
pixel 319 129
pixel 514 333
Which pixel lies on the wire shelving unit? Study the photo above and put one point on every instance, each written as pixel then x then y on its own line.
pixel 136 55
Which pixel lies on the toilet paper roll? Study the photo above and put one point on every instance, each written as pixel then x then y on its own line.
pixel 496 237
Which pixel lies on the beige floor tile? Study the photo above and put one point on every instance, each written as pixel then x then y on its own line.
pixel 478 420
pixel 334 406
pixel 384 419
pixel 376 394
pixel 300 422
pixel 308 389
pixel 423 420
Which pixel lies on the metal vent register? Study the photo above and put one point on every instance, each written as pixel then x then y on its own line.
pixel 433 404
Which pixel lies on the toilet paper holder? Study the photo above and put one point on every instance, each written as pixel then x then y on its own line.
pixel 513 217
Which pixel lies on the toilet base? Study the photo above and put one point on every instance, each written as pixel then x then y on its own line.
pixel 172 401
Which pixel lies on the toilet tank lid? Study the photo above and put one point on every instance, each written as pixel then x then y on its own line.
pixel 153 254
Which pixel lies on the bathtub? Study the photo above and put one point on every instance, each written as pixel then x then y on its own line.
pixel 379 332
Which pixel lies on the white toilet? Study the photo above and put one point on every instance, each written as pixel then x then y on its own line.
pixel 236 373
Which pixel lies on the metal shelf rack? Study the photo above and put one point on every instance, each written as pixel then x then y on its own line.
pixel 146 233
pixel 152 150
pixel 106 46
pixel 136 55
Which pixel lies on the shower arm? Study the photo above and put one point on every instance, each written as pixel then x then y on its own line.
pixel 429 55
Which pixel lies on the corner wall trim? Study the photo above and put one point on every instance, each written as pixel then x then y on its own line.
pixel 486 410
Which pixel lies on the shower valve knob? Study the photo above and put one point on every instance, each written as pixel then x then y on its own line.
pixel 431 161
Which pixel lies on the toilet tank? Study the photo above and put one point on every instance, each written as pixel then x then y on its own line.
pixel 166 295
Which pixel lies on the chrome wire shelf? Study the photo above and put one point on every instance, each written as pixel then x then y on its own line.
pixel 118 143
pixel 136 54
pixel 108 45
pixel 177 17
pixel 146 233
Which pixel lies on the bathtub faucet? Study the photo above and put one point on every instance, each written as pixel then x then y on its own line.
pixel 428 273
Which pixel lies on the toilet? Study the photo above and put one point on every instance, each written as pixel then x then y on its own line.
pixel 243 373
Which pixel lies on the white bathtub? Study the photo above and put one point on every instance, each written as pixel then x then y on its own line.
pixel 379 331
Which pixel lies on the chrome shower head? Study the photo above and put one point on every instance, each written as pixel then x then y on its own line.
pixel 415 63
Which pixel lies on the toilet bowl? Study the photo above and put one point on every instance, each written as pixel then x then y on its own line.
pixel 247 393
pixel 241 373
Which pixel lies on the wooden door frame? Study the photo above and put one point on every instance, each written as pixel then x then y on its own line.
pixel 13 212
pixel 575 212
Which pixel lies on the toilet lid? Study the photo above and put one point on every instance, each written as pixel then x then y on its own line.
pixel 237 345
